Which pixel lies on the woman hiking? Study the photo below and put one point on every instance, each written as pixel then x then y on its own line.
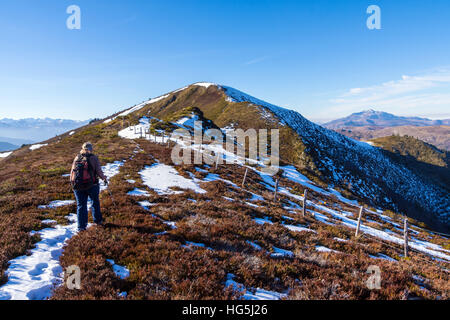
pixel 84 176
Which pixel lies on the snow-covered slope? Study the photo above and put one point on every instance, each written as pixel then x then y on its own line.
pixel 342 162
pixel 161 178
pixel 369 172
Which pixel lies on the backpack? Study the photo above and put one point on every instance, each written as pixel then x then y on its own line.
pixel 84 175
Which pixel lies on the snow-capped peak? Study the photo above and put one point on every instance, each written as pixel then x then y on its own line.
pixel 205 84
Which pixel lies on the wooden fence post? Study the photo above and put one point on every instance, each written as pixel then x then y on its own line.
pixel 406 236
pixel 304 202
pixel 359 221
pixel 245 177
pixel 276 190
pixel 217 160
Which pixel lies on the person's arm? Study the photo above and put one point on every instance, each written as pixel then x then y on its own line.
pixel 72 173
pixel 98 169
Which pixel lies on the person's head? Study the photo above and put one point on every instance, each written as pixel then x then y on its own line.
pixel 87 148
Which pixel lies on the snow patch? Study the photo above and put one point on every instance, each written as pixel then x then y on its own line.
pixel 161 178
pixel 110 170
pixel 138 193
pixel 5 154
pixel 254 245
pixel 325 249
pixel 384 257
pixel 298 228
pixel 278 252
pixel 38 146
pixel 189 121
pixel 253 294
pixel 120 271
pixel 262 221
pixel 146 204
pixel 205 84
pixel 140 106
pixel 57 204
pixel 32 277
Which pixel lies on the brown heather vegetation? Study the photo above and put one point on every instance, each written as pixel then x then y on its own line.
pixel 33 178
pixel 306 154
pixel 438 136
pixel 163 266
pixel 415 148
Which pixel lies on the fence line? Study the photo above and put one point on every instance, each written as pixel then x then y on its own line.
pixel 406 247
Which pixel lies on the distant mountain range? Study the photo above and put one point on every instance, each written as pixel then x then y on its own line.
pixel 382 119
pixel 14 133
pixel 5 146
pixel 368 125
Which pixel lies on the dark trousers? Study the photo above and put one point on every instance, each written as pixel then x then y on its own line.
pixel 82 206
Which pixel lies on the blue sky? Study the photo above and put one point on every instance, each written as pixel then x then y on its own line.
pixel 317 57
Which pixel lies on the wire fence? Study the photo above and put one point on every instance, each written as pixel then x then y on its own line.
pixel 372 238
pixel 400 251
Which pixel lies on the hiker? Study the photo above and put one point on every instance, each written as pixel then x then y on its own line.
pixel 84 176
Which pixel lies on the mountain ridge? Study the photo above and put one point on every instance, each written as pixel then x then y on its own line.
pixel 196 231
pixel 338 160
pixel 328 158
pixel 381 119
pixel 36 129
pixel 438 136
pixel 6 146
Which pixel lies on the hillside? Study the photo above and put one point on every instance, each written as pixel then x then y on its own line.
pixel 195 232
pixel 438 136
pixel 330 159
pixel 381 119
pixel 420 157
pixel 412 147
